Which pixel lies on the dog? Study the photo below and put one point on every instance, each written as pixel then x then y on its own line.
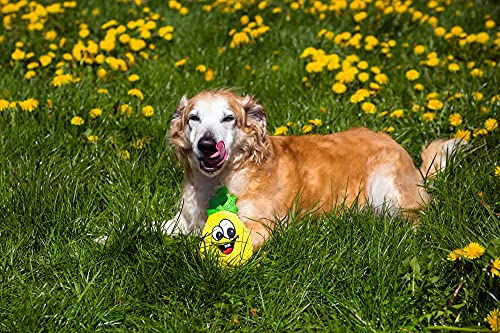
pixel 223 140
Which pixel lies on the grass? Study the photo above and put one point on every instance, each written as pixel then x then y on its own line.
pixel 349 271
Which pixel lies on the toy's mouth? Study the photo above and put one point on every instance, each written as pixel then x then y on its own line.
pixel 228 247
pixel 214 161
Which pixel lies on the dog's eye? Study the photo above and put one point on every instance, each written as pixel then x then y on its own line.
pixel 228 118
pixel 193 117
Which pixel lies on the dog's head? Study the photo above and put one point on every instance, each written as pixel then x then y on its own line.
pixel 216 129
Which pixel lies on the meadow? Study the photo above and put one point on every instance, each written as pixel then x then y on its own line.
pixel 87 91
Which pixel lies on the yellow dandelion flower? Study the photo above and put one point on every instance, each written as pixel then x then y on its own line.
pixel 419 49
pixel 435 104
pixel 491 124
pixel 28 105
pixel 61 79
pixel 136 44
pixel 306 128
pixel 93 138
pixel 94 113
pixel 125 154
pixel 453 67
pixel 180 63
pixel 136 93
pixel 455 119
pixel 388 129
pixel 4 104
pixel 133 78
pixel 281 130
pixel 339 88
pixel 419 87
pixel 480 132
pixel 316 122
pixel 473 250
pixel 201 68
pixel 476 72
pixel 412 75
pixel 455 254
pixel 126 109
pixel 397 113
pixel 490 24
pixel 29 75
pixel 381 78
pixel 18 55
pixel 139 144
pixel 275 68
pixel 497 171
pixel 363 76
pixel 463 135
pixel 103 91
pixel 209 75
pixel 369 108
pixel 477 96
pixel 493 319
pixel 77 121
pixel 148 111
pixel 495 267
pixel 429 116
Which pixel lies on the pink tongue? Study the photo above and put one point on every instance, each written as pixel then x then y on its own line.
pixel 221 149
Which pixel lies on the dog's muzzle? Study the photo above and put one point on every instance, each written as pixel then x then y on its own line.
pixel 213 154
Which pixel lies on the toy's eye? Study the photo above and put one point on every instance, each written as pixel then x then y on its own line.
pixel 228 228
pixel 228 118
pixel 193 117
pixel 217 233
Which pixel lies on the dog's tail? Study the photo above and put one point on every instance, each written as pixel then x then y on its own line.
pixel 437 154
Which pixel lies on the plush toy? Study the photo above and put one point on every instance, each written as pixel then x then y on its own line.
pixel 224 237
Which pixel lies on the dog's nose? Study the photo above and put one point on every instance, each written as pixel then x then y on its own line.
pixel 207 145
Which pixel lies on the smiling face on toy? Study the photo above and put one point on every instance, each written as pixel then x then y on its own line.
pixel 226 237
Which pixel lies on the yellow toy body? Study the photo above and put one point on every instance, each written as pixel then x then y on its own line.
pixel 226 239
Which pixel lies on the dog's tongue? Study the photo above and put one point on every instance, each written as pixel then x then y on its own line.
pixel 221 150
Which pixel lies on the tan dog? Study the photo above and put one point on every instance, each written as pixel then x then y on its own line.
pixel 223 139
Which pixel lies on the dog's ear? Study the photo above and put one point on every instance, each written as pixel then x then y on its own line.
pixel 255 114
pixel 177 137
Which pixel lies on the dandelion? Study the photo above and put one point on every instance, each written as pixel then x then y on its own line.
pixel 455 119
pixel 209 75
pixel 61 80
pixel 477 96
pixel 455 254
pixel 412 75
pixel 388 129
pixel 133 78
pixel 495 267
pixel 419 49
pixel 139 144
pixel 429 116
pixel 369 108
pixel 397 113
pixel 180 63
pixel 29 75
pixel 93 138
pixel 4 104
pixel 201 68
pixel 480 132
pixel 136 44
pixel 434 104
pixel 339 88
pixel 419 87
pixel 473 250
pixel 453 67
pixel 381 78
pixel 316 122
pixel 306 128
pixel 497 171
pixel 102 91
pixel 77 121
pixel 491 124
pixel 463 135
pixel 94 113
pixel 147 111
pixel 125 154
pixel 28 105
pixel 281 130
pixel 18 55
pixel 493 319
pixel 136 93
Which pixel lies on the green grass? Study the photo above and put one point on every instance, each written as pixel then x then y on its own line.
pixel 349 271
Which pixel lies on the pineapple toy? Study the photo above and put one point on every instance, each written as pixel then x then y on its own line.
pixel 224 237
